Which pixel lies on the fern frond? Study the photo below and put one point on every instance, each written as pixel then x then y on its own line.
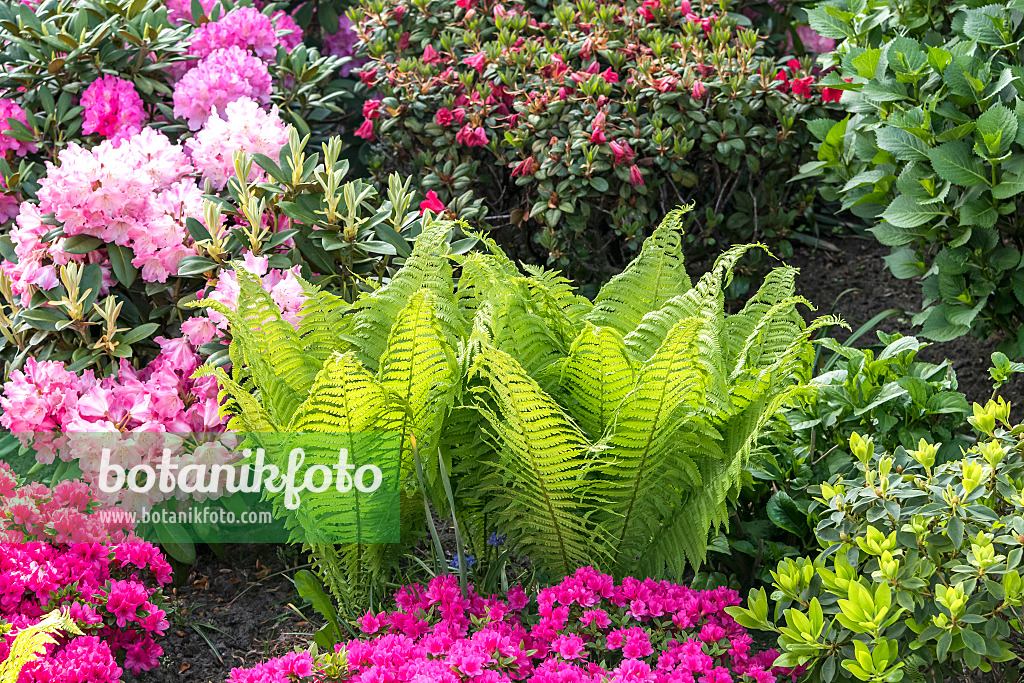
pixel 323 322
pixel 245 412
pixel 653 278
pixel 31 642
pixel 645 474
pixel 537 485
pixel 344 399
pixel 418 368
pixel 427 267
pixel 595 377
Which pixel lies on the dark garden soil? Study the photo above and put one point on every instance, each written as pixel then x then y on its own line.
pixel 231 611
pixel 857 266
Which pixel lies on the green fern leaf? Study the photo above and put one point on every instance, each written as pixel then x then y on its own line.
pixel 653 278
pixel 596 377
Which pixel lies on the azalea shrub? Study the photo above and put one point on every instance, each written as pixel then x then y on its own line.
pixel 931 153
pixel 574 127
pixel 57 553
pixel 586 629
pixel 920 573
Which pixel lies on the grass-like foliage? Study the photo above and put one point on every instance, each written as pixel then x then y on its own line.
pixel 608 433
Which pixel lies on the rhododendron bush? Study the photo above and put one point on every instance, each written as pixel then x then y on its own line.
pixel 111 69
pixel 56 552
pixel 586 629
pixel 583 123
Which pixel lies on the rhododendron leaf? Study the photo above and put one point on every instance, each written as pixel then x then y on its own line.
pixel 195 265
pixel 121 263
pixel 139 333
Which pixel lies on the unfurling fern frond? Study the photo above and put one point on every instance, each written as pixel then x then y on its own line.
pixel 654 277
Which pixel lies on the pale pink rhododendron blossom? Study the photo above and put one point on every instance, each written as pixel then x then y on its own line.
pixel 135 193
pixel 282 285
pixel 243 27
pixel 112 108
pixel 57 553
pixel 662 634
pixel 225 75
pixel 243 127
pixel 135 415
pixel 9 109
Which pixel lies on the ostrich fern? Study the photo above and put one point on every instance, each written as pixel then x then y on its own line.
pixel 609 433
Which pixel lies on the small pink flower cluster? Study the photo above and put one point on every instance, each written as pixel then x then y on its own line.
pixel 135 193
pixel 245 127
pixel 180 11
pixel 223 76
pixel 55 553
pixel 136 415
pixel 586 629
pixel 112 108
pixel 9 109
pixel 282 285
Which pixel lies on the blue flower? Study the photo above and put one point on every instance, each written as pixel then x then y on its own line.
pixel 470 561
pixel 496 540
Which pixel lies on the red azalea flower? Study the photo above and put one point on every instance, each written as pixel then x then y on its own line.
pixel 431 203
pixel 477 61
pixel 368 77
pixel 430 55
pixel 471 137
pixel 635 177
pixel 371 109
pixel 831 94
pixel 802 86
pixel 523 168
pixel 622 151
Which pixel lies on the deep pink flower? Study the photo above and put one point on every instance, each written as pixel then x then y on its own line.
pixel 623 153
pixel 802 86
pixel 365 130
pixel 635 177
pixel 430 55
pixel 471 137
pixel 477 61
pixel 698 90
pixel 432 203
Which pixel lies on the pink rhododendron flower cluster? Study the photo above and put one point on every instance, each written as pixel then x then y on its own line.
pixel 135 193
pixel 586 629
pixel 112 108
pixel 244 127
pixel 284 289
pixel 56 552
pixel 180 11
pixel 244 27
pixel 9 109
pixel 223 76
pixel 135 415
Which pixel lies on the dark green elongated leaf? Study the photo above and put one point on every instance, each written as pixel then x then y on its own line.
pixel 121 263
pixel 139 333
pixel 785 514
pixel 197 230
pixel 195 265
pixel 81 244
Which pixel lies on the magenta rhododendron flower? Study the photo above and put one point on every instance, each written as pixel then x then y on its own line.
pixel 698 90
pixel 477 61
pixel 430 55
pixel 112 108
pixel 622 153
pixel 225 75
pixel 9 109
pixel 365 130
pixel 635 176
pixel 243 27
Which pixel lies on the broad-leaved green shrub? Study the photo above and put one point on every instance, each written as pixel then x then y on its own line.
pixel 888 395
pixel 606 433
pixel 573 126
pixel 920 576
pixel 932 152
